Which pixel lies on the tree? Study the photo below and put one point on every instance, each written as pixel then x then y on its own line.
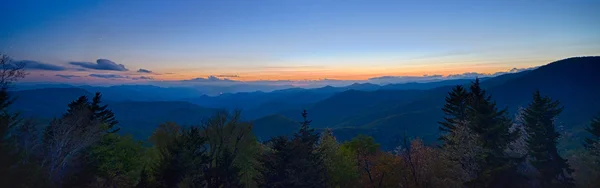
pixel 183 162
pixel 455 111
pixel 118 160
pixel 17 165
pixel 423 166
pixel 276 170
pixel 228 141
pixel 103 113
pixel 10 71
pixel 496 169
pixel 364 149
pixel 593 129
pixel 466 156
pixel 539 120
pixel 100 112
pixel 70 136
pixel 296 162
pixel 308 162
pixel 341 169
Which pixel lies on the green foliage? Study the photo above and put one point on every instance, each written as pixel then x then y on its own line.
pixel 118 160
pixel 361 145
pixel 340 163
pixel 539 118
pixel 219 153
pixel 183 160
pixel 294 163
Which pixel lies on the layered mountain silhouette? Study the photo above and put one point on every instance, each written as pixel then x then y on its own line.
pixel 384 112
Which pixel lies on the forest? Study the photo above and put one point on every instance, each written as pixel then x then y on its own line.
pixel 479 145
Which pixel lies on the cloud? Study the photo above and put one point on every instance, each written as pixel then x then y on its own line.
pixel 36 65
pixel 67 76
pixel 108 76
pixel 469 75
pixel 143 78
pixel 209 79
pixel 227 76
pixel 144 71
pixel 101 64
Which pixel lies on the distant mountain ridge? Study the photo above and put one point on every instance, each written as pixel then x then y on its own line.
pixel 380 111
pixel 573 81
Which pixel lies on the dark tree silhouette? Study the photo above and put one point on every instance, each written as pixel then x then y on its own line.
pixel 542 138
pixel 295 163
pixel 455 111
pixel 593 129
pixel 491 124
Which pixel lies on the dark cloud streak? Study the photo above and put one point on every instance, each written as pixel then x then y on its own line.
pixel 67 76
pixel 108 76
pixel 101 64
pixel 36 65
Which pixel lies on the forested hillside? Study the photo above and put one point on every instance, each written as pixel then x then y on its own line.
pixel 515 130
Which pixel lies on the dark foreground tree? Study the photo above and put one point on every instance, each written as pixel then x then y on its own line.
pixel 495 168
pixel 455 111
pixel 295 163
pixel 594 130
pixel 182 162
pixel 17 167
pixel 539 122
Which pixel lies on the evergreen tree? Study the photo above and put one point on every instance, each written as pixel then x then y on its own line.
pixel 99 112
pixel 9 158
pixel 492 127
pixel 308 163
pixel 593 129
pixel 276 164
pixel 539 124
pixel 183 161
pixel 455 111
pixel 103 113
pixel 295 163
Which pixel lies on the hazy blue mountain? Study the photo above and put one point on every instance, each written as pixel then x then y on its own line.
pixel 141 118
pixel 47 102
pixel 389 114
pixel 425 86
pixel 384 112
pixel 143 92
pixel 274 125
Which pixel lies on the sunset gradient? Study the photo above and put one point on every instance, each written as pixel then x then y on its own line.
pixel 293 40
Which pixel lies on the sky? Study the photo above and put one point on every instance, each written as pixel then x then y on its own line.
pixel 115 41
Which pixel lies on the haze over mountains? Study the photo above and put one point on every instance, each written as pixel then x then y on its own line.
pixel 382 111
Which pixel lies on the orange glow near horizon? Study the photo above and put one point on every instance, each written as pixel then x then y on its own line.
pixel 350 74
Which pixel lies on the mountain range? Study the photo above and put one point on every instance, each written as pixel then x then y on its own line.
pixel 383 111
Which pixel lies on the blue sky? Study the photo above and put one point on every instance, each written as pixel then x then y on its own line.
pixel 272 40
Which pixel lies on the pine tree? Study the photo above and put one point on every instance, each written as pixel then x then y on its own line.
pixel 100 112
pixel 276 164
pixel 539 119
pixel 594 129
pixel 492 127
pixel 294 163
pixel 455 112
pixel 308 164
pixel 9 158
pixel 103 113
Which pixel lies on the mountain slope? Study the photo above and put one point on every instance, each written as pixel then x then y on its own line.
pixel 274 125
pixel 573 81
